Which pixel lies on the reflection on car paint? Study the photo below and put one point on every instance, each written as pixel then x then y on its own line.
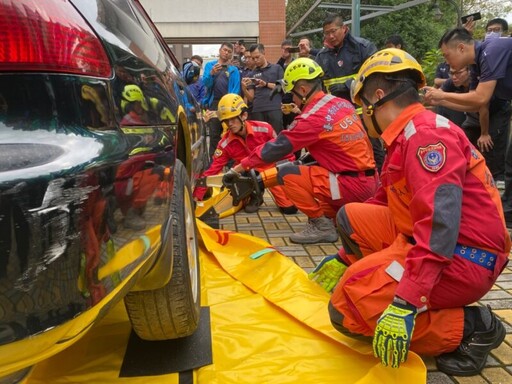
pixel 86 192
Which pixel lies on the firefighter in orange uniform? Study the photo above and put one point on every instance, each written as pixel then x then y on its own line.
pixel 429 243
pixel 240 138
pixel 330 129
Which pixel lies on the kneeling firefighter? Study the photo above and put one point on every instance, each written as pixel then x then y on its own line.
pixel 331 131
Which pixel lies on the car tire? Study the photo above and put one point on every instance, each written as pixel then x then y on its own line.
pixel 172 311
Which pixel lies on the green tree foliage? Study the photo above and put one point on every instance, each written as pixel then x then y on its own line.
pixel 415 25
pixel 295 9
pixel 430 61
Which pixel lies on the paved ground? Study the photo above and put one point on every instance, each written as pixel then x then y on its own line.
pixel 275 228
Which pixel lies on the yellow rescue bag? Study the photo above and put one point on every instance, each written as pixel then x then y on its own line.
pixel 269 324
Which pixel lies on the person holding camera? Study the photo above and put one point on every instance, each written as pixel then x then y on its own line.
pixel 305 49
pixel 219 78
pixel 197 87
pixel 286 56
pixel 491 80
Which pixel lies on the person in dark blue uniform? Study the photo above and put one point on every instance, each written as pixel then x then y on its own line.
pixel 342 56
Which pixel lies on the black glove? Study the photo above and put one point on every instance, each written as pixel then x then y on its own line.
pixel 278 89
pixel 341 89
pixel 338 89
pixel 306 158
pixel 230 177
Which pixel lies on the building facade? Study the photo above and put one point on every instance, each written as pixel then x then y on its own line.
pixel 184 23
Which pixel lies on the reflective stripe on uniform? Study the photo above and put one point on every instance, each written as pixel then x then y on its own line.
pixel 396 271
pixel 334 186
pixel 324 100
pixel 259 128
pixel 338 80
pixel 409 130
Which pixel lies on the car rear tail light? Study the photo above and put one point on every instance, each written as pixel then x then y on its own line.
pixel 49 36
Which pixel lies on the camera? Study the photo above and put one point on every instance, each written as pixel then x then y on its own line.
pixel 287 107
pixel 293 49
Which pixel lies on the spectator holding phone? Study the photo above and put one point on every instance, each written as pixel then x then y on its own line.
pixel 258 88
pixel 305 49
pixel 197 87
pixel 286 56
pixel 219 78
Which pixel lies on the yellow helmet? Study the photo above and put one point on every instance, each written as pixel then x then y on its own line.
pixel 302 68
pixel 132 92
pixel 230 105
pixel 388 60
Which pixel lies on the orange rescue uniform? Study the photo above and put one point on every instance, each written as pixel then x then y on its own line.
pixel 437 196
pixel 333 134
pixel 235 147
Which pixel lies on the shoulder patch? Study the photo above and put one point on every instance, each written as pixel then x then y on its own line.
pixel 432 157
pixel 217 153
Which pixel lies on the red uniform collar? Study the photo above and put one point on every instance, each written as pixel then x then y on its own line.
pixel 397 126
pixel 317 96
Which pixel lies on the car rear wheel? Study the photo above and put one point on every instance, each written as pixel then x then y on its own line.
pixel 173 311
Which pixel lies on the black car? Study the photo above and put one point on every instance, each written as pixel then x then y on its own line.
pixel 100 142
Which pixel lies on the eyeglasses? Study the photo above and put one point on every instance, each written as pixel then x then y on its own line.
pixel 456 73
pixel 331 31
pixel 494 29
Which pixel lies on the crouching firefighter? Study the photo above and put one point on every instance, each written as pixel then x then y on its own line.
pixel 331 131
pixel 430 242
pixel 240 138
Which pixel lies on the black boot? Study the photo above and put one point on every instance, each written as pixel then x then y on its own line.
pixel 291 210
pixel 470 357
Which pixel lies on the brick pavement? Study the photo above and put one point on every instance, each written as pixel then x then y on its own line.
pixel 269 224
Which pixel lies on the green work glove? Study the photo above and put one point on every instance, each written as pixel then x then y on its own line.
pixel 328 272
pixel 394 332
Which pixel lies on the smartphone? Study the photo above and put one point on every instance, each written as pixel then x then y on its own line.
pixel 293 49
pixel 476 16
pixel 287 108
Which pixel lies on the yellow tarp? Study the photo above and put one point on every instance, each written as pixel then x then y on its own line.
pixel 269 325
